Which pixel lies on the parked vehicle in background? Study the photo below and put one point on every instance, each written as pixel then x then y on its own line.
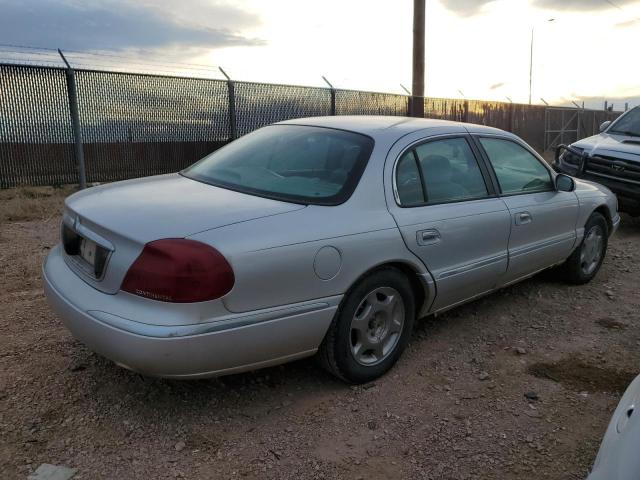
pixel 618 457
pixel 321 234
pixel 611 158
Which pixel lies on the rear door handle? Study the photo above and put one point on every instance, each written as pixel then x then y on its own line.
pixel 523 218
pixel 428 237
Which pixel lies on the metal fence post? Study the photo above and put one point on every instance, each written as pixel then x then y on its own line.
pixel 72 91
pixel 333 95
pixel 408 100
pixel 232 105
pixel 511 117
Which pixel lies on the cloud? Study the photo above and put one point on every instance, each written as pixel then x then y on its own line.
pixel 580 5
pixel 597 102
pixel 629 23
pixel 465 8
pixel 468 8
pixel 124 24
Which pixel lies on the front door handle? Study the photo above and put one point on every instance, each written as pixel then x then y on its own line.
pixel 522 218
pixel 428 237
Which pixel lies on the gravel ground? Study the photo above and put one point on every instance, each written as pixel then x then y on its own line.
pixel 517 385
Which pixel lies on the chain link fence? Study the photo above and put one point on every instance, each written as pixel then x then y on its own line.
pixel 260 104
pixel 353 102
pixel 134 125
pixel 36 140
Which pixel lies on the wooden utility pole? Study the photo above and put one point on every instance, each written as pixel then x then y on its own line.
pixel 417 87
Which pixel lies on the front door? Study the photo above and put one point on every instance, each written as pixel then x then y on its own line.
pixel 543 220
pixel 450 217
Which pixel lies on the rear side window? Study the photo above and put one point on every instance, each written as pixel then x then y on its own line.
pixel 289 162
pixel 442 171
pixel 409 184
pixel 518 171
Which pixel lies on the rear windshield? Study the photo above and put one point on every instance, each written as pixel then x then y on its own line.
pixel 302 164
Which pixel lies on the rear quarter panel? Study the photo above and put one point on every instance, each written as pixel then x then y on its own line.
pixel 275 259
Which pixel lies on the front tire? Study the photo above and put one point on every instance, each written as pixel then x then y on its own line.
pixel 583 264
pixel 371 328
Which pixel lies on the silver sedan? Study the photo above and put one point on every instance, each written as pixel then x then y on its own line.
pixel 319 235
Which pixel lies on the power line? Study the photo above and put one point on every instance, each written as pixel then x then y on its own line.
pixel 15 61
pixel 27 47
pixel 129 59
pixel 124 57
pixel 5 50
pixel 16 54
pixel 615 5
pixel 132 66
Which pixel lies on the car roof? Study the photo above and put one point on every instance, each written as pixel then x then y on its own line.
pixel 375 126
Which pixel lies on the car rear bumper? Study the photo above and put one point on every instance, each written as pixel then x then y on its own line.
pixel 236 343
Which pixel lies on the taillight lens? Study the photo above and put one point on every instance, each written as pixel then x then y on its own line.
pixel 179 270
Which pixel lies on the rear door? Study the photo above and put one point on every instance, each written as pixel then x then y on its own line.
pixel 543 220
pixel 449 215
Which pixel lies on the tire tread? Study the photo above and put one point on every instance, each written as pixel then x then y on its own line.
pixel 327 351
pixel 571 268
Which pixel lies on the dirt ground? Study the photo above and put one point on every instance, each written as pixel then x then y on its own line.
pixel 520 384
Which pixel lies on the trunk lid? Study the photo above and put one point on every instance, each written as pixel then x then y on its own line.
pixel 169 206
pixel 123 216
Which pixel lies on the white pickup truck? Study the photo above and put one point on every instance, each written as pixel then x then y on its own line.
pixel 611 158
pixel 618 457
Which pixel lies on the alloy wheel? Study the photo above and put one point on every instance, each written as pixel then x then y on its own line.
pixel 377 326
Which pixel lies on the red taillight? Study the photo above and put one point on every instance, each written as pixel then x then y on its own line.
pixel 179 270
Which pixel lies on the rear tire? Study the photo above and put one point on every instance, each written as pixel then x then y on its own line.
pixel 371 327
pixel 583 264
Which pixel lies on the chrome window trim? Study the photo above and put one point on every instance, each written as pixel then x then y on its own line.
pixel 518 141
pixel 416 143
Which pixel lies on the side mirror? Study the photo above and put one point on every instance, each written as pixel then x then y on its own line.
pixel 604 126
pixel 564 183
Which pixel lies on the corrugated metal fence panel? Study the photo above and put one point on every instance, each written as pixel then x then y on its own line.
pixel 590 121
pixel 138 125
pixel 259 104
pixel 36 141
pixel 445 109
pixel 528 124
pixel 352 102
pixel 494 114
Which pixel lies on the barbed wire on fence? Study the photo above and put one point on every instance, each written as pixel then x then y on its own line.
pixel 135 123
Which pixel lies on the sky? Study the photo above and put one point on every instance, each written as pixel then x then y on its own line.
pixel 474 48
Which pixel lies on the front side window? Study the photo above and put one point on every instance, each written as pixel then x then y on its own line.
pixel 518 171
pixel 440 171
pixel 295 163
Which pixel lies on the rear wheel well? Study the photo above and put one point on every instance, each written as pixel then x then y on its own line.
pixel 408 271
